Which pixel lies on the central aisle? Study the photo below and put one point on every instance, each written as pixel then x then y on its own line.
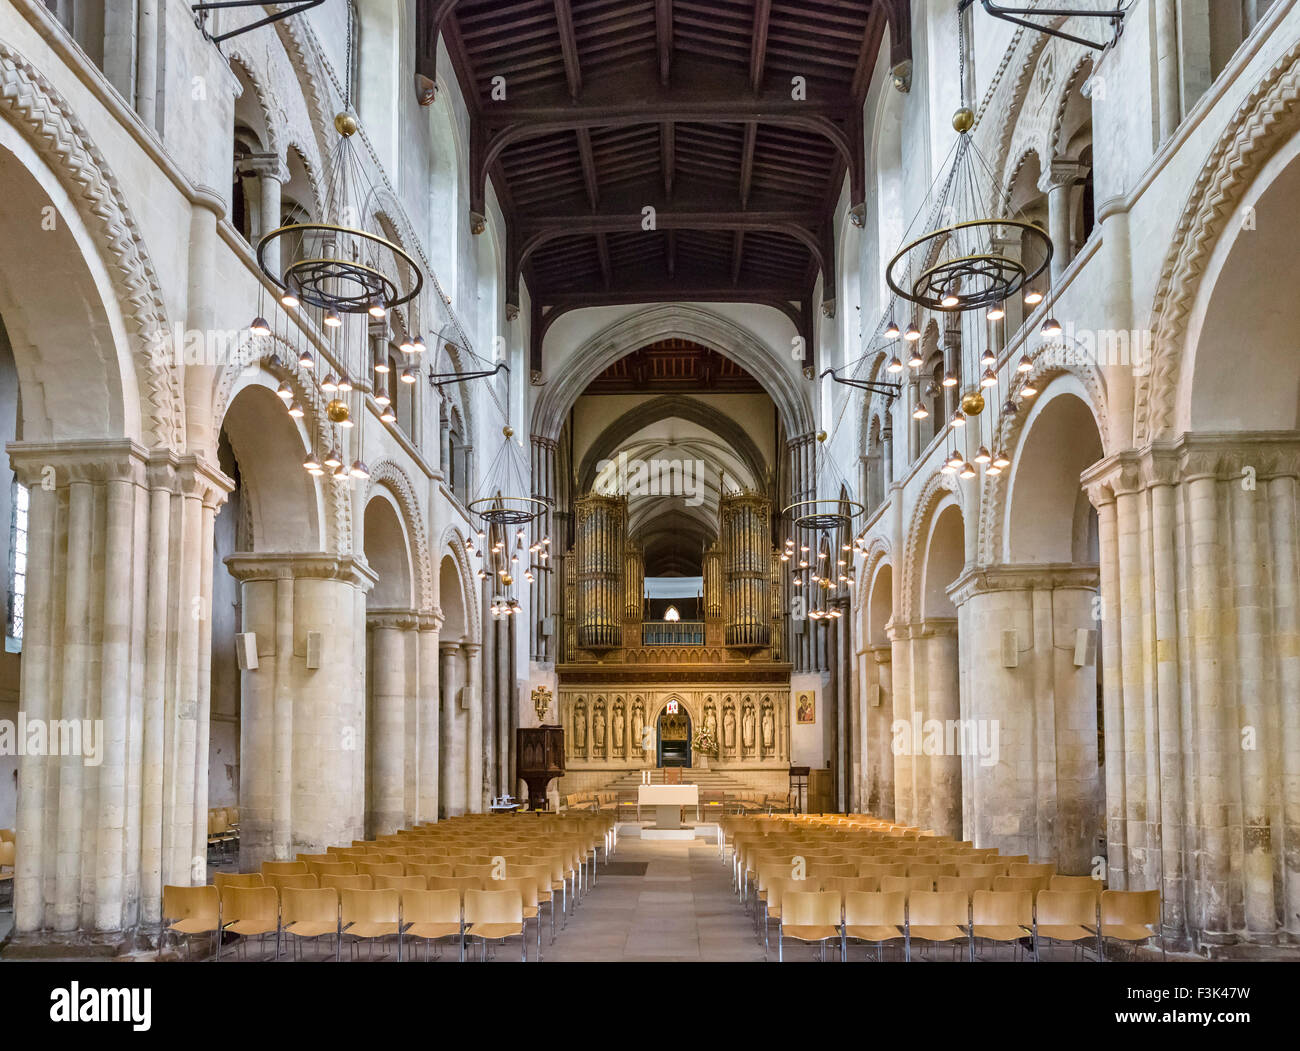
pixel 681 909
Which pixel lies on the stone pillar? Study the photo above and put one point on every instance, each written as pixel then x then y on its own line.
pixel 878 715
pixel 1029 729
pixel 451 765
pixel 100 642
pixel 1168 79
pixel 900 645
pixel 429 719
pixel 388 734
pixel 943 703
pixel 271 175
pixel 1058 183
pixel 474 744
pixel 146 78
pixel 1286 621
pixel 488 712
pixel 304 611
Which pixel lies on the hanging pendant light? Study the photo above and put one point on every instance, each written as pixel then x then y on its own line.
pixel 997 312
pixel 1051 328
pixel 407 346
pixel 989 379
pixel 382 399
pixel 955 461
pixel 993 470
pixel 1028 390
pixel 958 419
pixel 920 412
pixel 1010 408
pixel 408 375
pixel 418 345
pixel 988 359
pixel 296 410
pixel 967 471
pixel 914 359
pixel 377 310
pixel 895 366
pixel 313 465
pixel 260 327
pixel 329 384
pixel 913 333
pixel 1026 364
pixel 359 469
pixel 381 363
pixel 284 392
pixel 306 361
pixel 332 320
pixel 334 458
pixel 983 455
pixel 950 379
pixel 340 473
pixel 892 331
pixel 345 384
pixel 1002 461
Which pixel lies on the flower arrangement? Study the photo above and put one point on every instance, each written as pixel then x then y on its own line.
pixel 706 744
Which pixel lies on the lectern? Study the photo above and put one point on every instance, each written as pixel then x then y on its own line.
pixel 540 752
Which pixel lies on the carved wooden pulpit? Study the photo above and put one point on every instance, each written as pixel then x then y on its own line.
pixel 540 752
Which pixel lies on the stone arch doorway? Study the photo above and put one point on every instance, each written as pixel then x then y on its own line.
pixel 674 734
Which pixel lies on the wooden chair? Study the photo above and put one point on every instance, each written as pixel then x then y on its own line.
pixel 810 916
pixel 1130 916
pixel 461 884
pixel 352 882
pixel 309 913
pixel 192 910
pixel 283 868
pixel 431 915
pixel 331 868
pixel 222 880
pixel 934 916
pixel 876 918
pixel 931 869
pixel 369 916
pixel 250 911
pixel 300 880
pixel 1033 884
pixel 1023 869
pixel 1087 883
pixel 1001 916
pixel 373 868
pixel 400 883
pixel 1065 916
pixel 909 885
pixel 495 915
pixel 527 885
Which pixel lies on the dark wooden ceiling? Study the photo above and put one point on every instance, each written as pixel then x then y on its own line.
pixel 586 114
pixel 676 366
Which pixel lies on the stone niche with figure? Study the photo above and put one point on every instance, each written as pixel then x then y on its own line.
pixel 611 732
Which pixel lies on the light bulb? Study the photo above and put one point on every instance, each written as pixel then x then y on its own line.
pixel 333 458
pixel 997 312
pixel 913 333
pixel 408 375
pixel 920 412
pixel 340 472
pixel 993 470
pixel 947 468
pixel 988 358
pixel 892 331
pixel 378 310
pixel 950 379
pixel 1001 461
pixel 388 416
pixel 895 366
pixel 914 360
pixel 296 410
pixel 950 300
pixel 406 346
pixel 345 385
pixel 329 384
pixel 989 379
pixel 289 301
pixel 260 327
pixel 1033 298
pixel 418 346
pixel 1026 364
pixel 1028 390
pixel 313 465
pixel 958 419
pixel 967 471
pixel 359 469
pixel 1051 328
pixel 332 320
pixel 284 392
pixel 306 361
pixel 381 364
pixel 983 456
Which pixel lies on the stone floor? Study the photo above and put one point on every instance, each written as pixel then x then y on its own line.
pixel 681 909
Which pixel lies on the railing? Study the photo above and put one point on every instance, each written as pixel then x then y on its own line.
pixel 672 633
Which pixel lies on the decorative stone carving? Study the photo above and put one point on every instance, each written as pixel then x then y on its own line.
pixel 579 747
pixel 729 727
pixel 598 726
pixel 618 726
pixel 769 728
pixel 747 728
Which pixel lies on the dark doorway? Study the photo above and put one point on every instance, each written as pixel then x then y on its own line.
pixel 674 738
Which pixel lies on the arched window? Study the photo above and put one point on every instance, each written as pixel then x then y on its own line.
pixel 671 614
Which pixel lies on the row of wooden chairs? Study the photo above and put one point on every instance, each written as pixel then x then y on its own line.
pixel 361 915
pixel 954 918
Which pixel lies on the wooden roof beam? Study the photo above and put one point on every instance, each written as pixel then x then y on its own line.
pixel 569 47
pixel 758 48
pixel 664 39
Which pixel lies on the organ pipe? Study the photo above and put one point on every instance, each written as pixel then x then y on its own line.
pixel 602 526
pixel 746 531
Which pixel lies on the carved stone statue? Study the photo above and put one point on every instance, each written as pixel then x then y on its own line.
pixel 618 724
pixel 580 730
pixel 769 729
pixel 638 726
pixel 747 728
pixel 711 722
pixel 598 731
pixel 729 730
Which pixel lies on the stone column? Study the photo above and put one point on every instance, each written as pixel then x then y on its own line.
pixel 474 744
pixel 429 719
pixel 491 638
pixel 451 765
pixel 146 77
pixel 94 848
pixel 271 175
pixel 1029 732
pixel 387 732
pixel 303 610
pixel 900 645
pixel 1286 624
pixel 1058 183
pixel 944 813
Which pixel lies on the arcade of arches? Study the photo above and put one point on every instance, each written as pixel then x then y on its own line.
pixel 1091 658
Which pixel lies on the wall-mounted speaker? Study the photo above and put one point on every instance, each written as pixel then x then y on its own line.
pixel 1010 648
pixel 314 647
pixel 1085 647
pixel 874 694
pixel 246 651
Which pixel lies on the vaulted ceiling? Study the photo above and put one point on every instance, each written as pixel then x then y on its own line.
pixel 664 150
